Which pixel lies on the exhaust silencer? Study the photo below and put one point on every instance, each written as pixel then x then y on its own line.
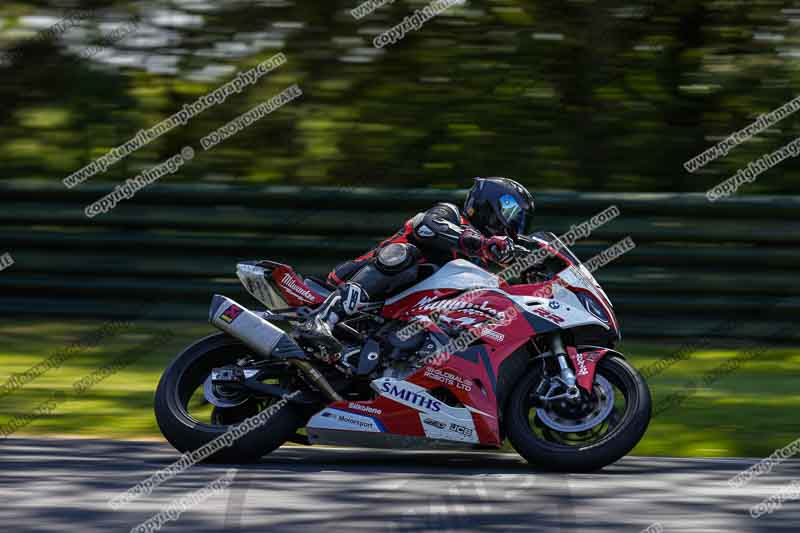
pixel 262 337
pixel 265 339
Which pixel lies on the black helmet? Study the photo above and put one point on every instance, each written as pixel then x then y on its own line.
pixel 498 206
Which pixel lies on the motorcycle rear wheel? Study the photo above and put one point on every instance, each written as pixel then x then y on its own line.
pixel 624 430
pixel 187 433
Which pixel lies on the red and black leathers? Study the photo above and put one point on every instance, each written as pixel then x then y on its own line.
pixel 441 234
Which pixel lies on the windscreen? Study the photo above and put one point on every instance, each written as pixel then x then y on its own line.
pixel 554 243
pixel 573 274
pixel 576 273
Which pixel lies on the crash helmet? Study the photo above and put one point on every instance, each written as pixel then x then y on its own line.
pixel 499 206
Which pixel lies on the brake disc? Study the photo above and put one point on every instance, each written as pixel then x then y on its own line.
pixel 604 404
pixel 217 396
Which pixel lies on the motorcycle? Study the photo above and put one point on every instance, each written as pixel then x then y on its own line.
pixel 460 357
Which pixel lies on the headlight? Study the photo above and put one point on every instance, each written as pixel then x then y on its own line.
pixel 592 306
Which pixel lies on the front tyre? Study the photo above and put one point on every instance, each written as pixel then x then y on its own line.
pixel 563 438
pixel 188 422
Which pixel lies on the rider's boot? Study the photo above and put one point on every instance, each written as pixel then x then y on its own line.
pixel 317 331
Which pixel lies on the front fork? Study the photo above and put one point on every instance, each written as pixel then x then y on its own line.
pixel 566 375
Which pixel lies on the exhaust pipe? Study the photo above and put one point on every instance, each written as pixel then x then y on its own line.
pixel 265 339
pixel 318 379
pixel 258 334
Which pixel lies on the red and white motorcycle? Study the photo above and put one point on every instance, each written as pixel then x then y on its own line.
pixel 462 358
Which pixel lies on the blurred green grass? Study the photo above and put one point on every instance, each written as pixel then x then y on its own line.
pixel 749 412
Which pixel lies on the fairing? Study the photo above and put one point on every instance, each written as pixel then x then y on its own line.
pixel 477 376
pixel 276 285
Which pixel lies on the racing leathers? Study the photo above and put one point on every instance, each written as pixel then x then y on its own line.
pixel 435 236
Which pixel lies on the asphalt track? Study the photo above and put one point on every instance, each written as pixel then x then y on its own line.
pixel 63 485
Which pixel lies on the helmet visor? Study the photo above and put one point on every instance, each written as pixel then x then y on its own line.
pixel 512 214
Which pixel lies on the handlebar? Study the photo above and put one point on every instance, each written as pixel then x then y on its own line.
pixel 520 250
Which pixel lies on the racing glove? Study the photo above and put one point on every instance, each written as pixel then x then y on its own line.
pixel 497 249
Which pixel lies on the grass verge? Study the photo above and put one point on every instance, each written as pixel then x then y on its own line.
pixel 749 409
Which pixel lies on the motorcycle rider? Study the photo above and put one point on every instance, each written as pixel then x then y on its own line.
pixel 495 212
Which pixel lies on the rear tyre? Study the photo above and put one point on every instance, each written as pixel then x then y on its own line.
pixel 187 433
pixel 565 452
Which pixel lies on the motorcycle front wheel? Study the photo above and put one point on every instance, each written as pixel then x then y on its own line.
pixel 582 436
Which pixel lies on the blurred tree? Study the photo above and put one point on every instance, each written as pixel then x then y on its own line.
pixel 576 94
